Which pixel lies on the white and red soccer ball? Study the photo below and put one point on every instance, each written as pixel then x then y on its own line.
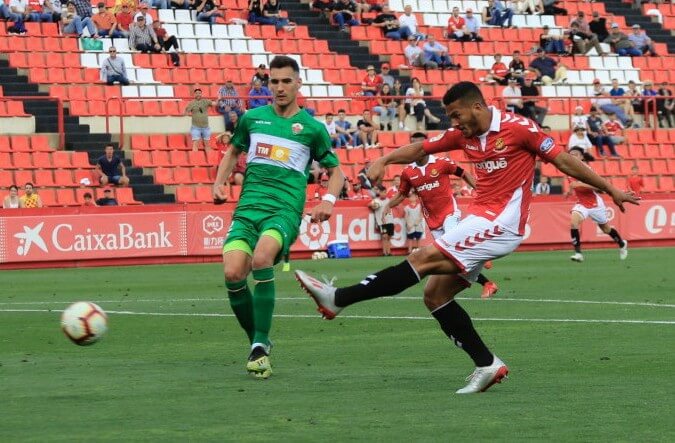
pixel 84 323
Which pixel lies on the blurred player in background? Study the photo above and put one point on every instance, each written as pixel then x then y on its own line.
pixel 503 147
pixel 590 204
pixel 280 141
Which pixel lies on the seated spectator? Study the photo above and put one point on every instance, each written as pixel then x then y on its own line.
pixel 499 73
pixel 641 41
pixel 512 98
pixel 108 199
pixel 227 100
pixel 119 6
pixel 231 122
pixel 11 201
pixel 35 12
pixel 620 43
pixel 372 82
pixel 456 29
pixel 390 26
pixel 517 68
pixel 106 23
pixel 548 70
pixel 534 7
pixel 583 42
pixel 113 69
pixel 168 43
pixel 325 6
pixel 331 127
pixel 369 6
pixel 398 91
pixel 472 26
pixel 542 188
pixel 597 133
pixel 30 199
pixel 606 104
pixel 386 107
pixel 272 10
pixel 438 53
pixel 614 130
pixel 74 24
pixel 550 7
pixel 530 107
pixel 598 26
pixel 207 11
pixel 552 44
pixel 259 95
pixel 409 20
pixel 142 11
pixel 416 104
pixel 578 118
pixel 385 73
pixel 142 37
pixel 578 139
pixel 262 75
pixel 635 181
pixel 415 55
pixel 344 12
pixel 636 102
pixel 255 13
pixel 367 131
pixel 6 13
pixel 650 106
pixel 496 13
pixel 88 200
pixel 344 129
pixel 616 92
pixel 124 19
pixel 111 169
pixel 358 192
pixel 665 107
pixel 239 170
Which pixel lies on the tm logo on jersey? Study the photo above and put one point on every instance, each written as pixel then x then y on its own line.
pixel 492 165
pixel 428 186
pixel 273 152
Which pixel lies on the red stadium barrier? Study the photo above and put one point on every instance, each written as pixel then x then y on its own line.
pixel 51 237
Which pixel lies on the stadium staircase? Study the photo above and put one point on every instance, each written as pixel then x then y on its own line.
pixel 634 16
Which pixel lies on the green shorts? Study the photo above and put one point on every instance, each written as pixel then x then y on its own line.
pixel 247 226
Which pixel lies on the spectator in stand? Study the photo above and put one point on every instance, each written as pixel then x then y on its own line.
pixel 665 107
pixel 367 134
pixel 583 42
pixel 227 100
pixel 397 91
pixel 499 73
pixel 331 127
pixel 88 199
pixel 358 192
pixel 635 181
pixel 416 104
pixel 142 37
pixel 119 6
pixel 534 7
pixel 124 19
pixel 641 41
pixel 73 23
pixel 344 12
pixel 159 4
pixel 649 105
pixel 36 13
pixel 390 26
pixel 496 13
pixel 620 43
pixel 182 4
pixel 542 188
pixel 414 222
pixel 636 102
pixel 438 53
pixel 83 8
pixel 256 15
pixel 456 29
pixel 548 70
pixel 259 95
pixel 12 200
pixel 142 11
pixel 110 168
pixel 168 43
pixel 578 139
pixel 362 176
pixel 207 11
pixel 231 122
pixel 107 199
pixel 199 110
pixel 272 10
pixel 550 7
pixel 409 20
pixel 386 107
pixel 385 221
pixel 262 75
pixel 513 98
pixel 531 109
pixel 517 67
pixel 344 130
pixel 614 130
pixel 415 55
pixel 385 73
pixel 606 104
pixel 597 134
pixel 616 92
pixel 598 26
pixel 106 23
pixel 113 69
pixel 472 26
pixel 239 170
pixel 578 118
pixel 30 199
pixel 552 44
pixel 581 22
pixel 368 6
pixel 372 82
pixel 7 14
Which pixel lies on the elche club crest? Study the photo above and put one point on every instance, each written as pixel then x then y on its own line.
pixel 297 128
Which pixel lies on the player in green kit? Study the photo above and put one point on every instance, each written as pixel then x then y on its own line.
pixel 280 142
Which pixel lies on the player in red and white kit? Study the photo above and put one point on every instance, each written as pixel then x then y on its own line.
pixel 590 204
pixel 503 148
pixel 430 178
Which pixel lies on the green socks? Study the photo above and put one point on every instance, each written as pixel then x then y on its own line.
pixel 242 305
pixel 263 304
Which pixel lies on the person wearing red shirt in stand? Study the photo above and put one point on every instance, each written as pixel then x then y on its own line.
pixel 499 73
pixel 371 85
pixel 431 178
pixel 503 148
pixel 456 29
pixel 614 129
pixel 635 182
pixel 222 146
pixel 357 192
pixel 124 18
pixel 590 204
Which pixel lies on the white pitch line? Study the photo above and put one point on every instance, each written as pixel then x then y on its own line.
pixel 370 317
pixel 495 299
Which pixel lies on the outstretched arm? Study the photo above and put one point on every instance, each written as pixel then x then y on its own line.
pixel 224 170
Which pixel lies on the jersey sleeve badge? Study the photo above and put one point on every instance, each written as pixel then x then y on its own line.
pixel 546 145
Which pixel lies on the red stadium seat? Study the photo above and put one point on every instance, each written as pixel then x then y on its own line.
pixel 164 176
pixel 125 196
pixel 48 197
pixel 201 175
pixel 40 143
pixel 20 143
pixel 22 160
pixel 61 159
pixel 160 158
pixel 44 177
pixel 66 197
pixel 203 194
pixel 185 194
pixel 64 177
pixel 42 160
pixel 142 158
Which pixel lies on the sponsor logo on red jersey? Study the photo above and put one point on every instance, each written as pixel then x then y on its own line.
pixel 492 165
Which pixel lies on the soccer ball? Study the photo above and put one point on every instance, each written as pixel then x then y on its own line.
pixel 84 323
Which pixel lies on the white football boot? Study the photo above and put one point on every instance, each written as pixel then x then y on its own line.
pixel 623 251
pixel 322 293
pixel 577 257
pixel 483 377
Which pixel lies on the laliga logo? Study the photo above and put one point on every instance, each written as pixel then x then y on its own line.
pixel 656 219
pixel 314 235
pixel 212 224
pixel 29 237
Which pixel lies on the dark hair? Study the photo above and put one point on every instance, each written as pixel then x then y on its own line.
pixel 577 148
pixel 418 135
pixel 87 195
pixel 593 108
pixel 29 183
pixel 465 91
pixel 15 187
pixel 283 61
pixel 341 110
pixel 108 144
pixel 329 114
pixel 546 127
pixel 197 89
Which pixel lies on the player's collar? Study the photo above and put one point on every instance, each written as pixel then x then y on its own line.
pixel 496 122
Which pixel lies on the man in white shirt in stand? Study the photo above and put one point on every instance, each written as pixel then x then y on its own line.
pixel 410 20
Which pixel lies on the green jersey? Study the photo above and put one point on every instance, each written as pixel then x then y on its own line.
pixel 279 154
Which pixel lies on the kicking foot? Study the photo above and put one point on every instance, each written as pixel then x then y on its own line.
pixel 483 377
pixel 488 264
pixel 489 290
pixel 258 364
pixel 577 257
pixel 322 293
pixel 623 251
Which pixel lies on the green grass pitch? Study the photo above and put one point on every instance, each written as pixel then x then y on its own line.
pixel 590 348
